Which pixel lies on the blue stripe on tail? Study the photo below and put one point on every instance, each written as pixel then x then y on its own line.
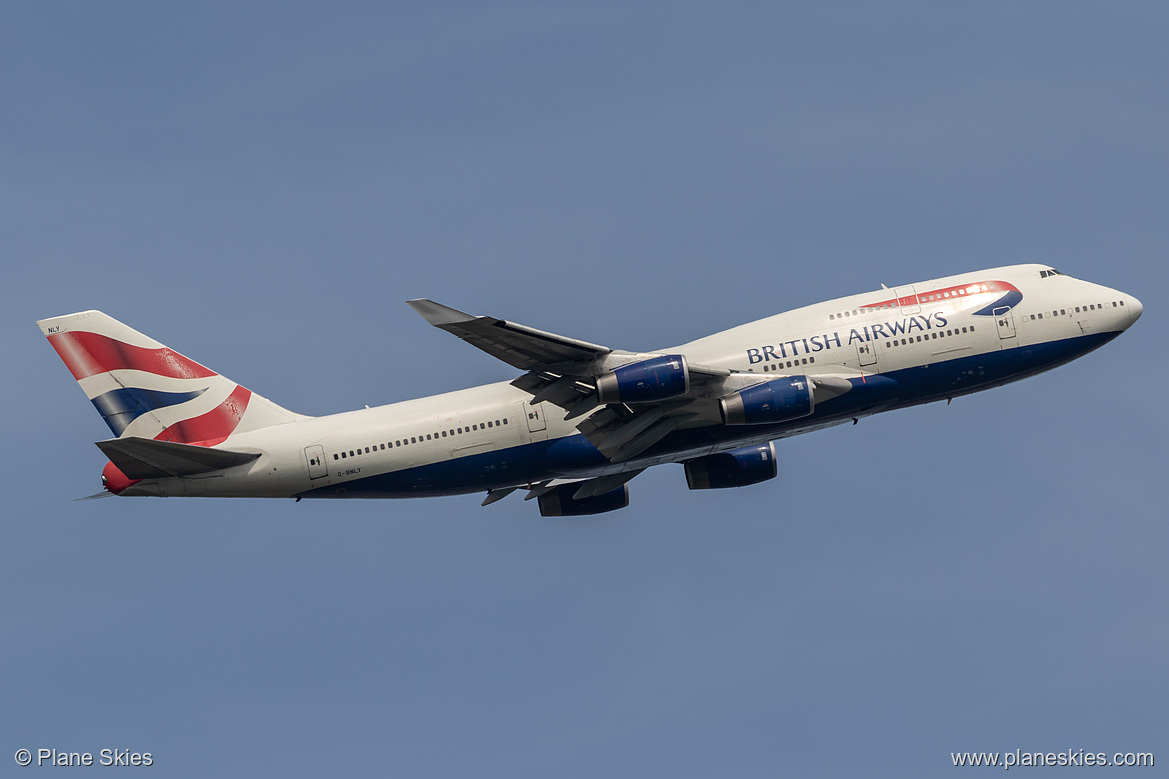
pixel 120 407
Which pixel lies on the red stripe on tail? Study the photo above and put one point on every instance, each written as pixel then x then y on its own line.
pixel 88 354
pixel 213 427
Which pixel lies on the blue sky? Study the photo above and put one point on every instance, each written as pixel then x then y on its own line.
pixel 261 186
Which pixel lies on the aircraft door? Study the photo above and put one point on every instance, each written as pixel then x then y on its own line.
pixel 866 353
pixel 907 299
pixel 315 457
pixel 535 415
pixel 1006 322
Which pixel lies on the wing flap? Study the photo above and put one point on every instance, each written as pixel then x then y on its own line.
pixel 144 458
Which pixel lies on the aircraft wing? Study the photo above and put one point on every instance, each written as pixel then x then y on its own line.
pixel 519 346
pixel 564 371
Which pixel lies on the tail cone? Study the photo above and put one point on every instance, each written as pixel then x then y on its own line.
pixel 114 480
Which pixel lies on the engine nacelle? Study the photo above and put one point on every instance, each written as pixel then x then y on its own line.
pixel 736 468
pixel 772 401
pixel 559 502
pixel 657 378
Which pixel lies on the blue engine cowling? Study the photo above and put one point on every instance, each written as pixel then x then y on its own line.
pixel 736 468
pixel 657 378
pixel 772 401
pixel 559 502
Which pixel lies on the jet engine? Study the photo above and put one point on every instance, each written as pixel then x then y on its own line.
pixel 558 502
pixel 736 468
pixel 772 401
pixel 648 381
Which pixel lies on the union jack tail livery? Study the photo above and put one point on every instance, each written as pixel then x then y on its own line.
pixel 142 389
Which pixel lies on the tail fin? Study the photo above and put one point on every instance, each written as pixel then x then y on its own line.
pixel 141 388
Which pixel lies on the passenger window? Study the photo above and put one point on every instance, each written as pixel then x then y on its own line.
pixel 505 420
pixel 334 455
pixel 444 434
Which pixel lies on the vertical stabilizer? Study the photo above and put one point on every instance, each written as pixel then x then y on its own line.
pixel 143 389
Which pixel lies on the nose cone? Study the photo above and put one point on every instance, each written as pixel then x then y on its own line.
pixel 1135 309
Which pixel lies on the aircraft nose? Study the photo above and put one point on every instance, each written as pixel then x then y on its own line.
pixel 1135 309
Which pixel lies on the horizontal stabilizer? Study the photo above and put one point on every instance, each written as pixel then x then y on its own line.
pixel 95 496
pixel 143 458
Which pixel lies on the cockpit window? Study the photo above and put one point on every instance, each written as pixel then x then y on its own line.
pixel 1050 272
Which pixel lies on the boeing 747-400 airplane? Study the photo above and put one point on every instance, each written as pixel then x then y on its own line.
pixel 583 419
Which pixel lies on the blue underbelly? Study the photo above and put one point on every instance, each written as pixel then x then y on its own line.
pixel 541 460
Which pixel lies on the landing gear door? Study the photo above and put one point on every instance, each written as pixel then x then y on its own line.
pixel 315 457
pixel 1006 322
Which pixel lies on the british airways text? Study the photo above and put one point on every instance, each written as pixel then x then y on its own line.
pixel 818 343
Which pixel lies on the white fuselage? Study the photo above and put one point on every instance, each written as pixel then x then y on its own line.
pixel 926 341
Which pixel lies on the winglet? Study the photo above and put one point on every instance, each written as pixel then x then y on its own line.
pixel 438 314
